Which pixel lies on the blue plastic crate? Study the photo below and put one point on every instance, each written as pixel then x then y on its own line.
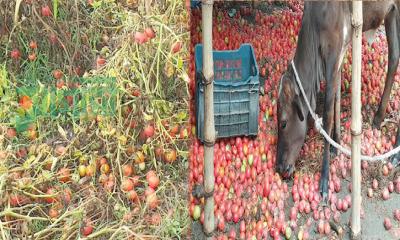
pixel 236 92
pixel 195 3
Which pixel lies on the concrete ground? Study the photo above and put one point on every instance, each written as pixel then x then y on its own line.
pixel 375 211
pixel 371 225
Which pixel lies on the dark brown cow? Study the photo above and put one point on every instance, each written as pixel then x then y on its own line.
pixel 323 39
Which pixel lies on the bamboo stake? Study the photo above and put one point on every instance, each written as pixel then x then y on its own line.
pixel 209 128
pixel 356 120
pixel 16 12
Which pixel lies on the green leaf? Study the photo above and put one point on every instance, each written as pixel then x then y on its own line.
pixel 27 164
pixel 147 117
pixel 13 120
pixel 96 4
pixel 46 175
pixel 3 170
pixel 46 103
pixel 145 148
pixel 181 115
pixel 3 79
pixel 55 9
pixel 22 123
pixel 179 64
pixel 183 154
pixel 20 111
pixel 87 100
pixel 30 112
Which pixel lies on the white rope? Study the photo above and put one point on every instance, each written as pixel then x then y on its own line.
pixel 318 126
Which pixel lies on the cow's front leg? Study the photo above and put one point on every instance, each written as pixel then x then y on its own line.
pixel 336 130
pixel 328 125
pixel 332 71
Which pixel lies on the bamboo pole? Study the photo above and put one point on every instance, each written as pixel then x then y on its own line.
pixel 356 120
pixel 209 128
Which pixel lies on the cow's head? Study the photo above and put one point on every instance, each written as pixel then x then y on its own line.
pixel 292 124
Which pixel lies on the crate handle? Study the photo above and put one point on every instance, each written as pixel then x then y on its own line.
pixel 253 90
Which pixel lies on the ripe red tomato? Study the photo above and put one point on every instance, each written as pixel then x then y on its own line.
pixel 51 191
pixel 100 61
pixel 15 54
pixel 149 33
pixel 25 102
pixel 148 131
pixel 140 37
pixel 33 45
pixel 153 181
pixel 57 74
pixel 32 57
pixel 87 230
pixel 46 12
pixel 127 185
pixel 176 47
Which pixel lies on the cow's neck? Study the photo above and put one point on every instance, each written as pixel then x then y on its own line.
pixel 308 75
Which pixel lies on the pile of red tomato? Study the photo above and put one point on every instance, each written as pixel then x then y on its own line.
pixel 251 199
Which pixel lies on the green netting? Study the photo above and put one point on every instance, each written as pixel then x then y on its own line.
pixel 96 95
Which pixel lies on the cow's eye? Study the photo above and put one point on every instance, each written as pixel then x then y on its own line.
pixel 283 125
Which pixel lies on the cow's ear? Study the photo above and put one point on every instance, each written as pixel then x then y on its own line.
pixel 297 103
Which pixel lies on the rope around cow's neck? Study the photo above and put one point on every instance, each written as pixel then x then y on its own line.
pixel 318 126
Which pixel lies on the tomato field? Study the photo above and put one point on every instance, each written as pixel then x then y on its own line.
pixel 251 199
pixel 93 119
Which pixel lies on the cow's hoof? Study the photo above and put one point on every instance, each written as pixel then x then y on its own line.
pixel 333 151
pixel 376 123
pixel 324 203
pixel 324 189
pixel 395 159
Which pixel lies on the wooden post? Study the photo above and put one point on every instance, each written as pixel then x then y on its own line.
pixel 209 128
pixel 356 120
